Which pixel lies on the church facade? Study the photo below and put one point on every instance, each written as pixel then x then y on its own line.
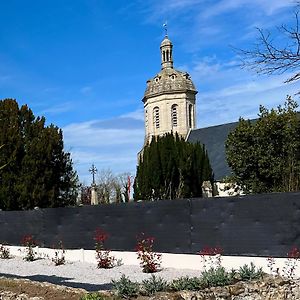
pixel 169 99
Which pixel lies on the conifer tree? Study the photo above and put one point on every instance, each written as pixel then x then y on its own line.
pixel 171 168
pixel 38 172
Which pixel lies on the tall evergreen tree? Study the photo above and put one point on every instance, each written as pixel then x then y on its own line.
pixel 265 155
pixel 171 168
pixel 38 172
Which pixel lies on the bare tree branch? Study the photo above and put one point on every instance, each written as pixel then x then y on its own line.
pixel 268 58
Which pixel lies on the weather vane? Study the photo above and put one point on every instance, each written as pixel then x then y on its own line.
pixel 93 170
pixel 165 25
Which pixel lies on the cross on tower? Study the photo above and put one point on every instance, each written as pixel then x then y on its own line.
pixel 165 25
pixel 93 170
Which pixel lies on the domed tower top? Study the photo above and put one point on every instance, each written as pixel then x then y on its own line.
pixel 166 53
pixel 169 99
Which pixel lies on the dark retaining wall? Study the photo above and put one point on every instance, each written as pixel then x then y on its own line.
pixel 259 225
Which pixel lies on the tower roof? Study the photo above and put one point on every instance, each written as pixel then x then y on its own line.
pixel 166 42
pixel 168 80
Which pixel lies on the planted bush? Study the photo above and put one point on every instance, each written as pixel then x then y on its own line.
pixel 186 283
pixel 212 256
pixel 216 277
pixel 29 243
pixel 153 285
pixel 247 272
pixel 4 252
pixel 126 288
pixel 104 258
pixel 59 255
pixel 150 260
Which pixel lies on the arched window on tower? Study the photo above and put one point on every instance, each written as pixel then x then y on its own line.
pixel 146 118
pixel 190 115
pixel 174 117
pixel 156 117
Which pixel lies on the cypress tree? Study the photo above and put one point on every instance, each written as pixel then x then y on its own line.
pixel 171 168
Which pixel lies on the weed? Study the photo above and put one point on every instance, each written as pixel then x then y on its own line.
pixel 126 288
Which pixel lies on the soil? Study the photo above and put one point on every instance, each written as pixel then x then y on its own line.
pixel 41 290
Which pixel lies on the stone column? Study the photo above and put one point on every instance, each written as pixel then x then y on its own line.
pixel 94 195
pixel 207 190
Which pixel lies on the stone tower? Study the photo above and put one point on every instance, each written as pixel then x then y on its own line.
pixel 169 99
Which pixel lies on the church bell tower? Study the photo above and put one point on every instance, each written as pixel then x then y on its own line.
pixel 169 99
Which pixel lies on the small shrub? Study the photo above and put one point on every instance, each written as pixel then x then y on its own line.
pixel 271 265
pixel 216 277
pixel 154 285
pixel 212 255
pixel 104 258
pixel 59 255
pixel 4 252
pixel 126 288
pixel 186 283
pixel 150 260
pixel 247 272
pixel 28 242
pixel 291 263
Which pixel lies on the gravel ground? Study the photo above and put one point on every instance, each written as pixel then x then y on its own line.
pixel 80 275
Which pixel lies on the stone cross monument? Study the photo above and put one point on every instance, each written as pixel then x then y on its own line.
pixel 94 197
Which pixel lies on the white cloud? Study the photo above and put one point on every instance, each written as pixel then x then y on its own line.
pixel 57 109
pixel 137 115
pixel 104 144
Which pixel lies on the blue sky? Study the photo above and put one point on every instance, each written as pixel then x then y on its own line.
pixel 84 65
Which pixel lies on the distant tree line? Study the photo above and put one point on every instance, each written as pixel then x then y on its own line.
pixel 36 170
pixel 171 168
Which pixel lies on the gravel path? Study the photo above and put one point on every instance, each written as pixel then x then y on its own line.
pixel 80 275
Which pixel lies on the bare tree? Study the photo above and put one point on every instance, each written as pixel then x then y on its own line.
pixel 111 187
pixel 269 57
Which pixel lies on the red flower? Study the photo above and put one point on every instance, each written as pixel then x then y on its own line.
pixel 100 236
pixel 28 241
pixel 294 253
pixel 211 251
